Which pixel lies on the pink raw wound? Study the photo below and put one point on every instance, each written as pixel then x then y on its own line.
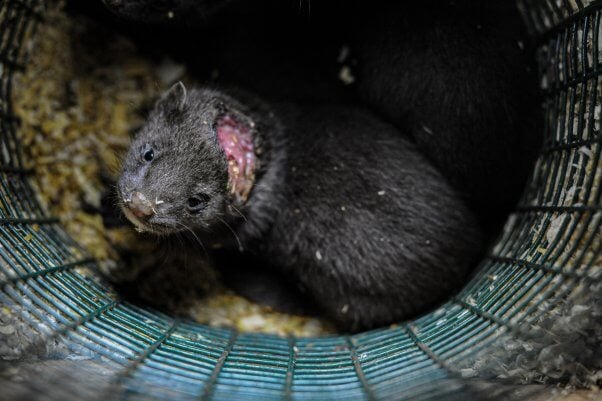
pixel 236 140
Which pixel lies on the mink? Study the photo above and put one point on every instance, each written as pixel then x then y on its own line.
pixel 331 196
pixel 459 78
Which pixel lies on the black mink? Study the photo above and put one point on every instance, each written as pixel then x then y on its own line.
pixel 331 196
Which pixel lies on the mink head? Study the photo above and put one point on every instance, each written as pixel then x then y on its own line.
pixel 192 166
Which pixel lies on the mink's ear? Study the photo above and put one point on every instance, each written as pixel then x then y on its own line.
pixel 175 98
pixel 229 110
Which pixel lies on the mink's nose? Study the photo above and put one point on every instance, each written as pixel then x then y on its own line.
pixel 139 205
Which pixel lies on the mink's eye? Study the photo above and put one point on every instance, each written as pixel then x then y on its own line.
pixel 148 153
pixel 197 203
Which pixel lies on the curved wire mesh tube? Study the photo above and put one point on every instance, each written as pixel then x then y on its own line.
pixel 546 252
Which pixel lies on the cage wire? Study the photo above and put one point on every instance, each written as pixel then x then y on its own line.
pixel 531 313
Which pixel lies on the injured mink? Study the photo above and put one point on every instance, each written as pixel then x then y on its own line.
pixel 331 196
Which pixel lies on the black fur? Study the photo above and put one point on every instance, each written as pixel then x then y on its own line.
pixel 342 203
pixel 457 76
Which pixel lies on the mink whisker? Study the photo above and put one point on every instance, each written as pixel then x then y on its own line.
pixel 194 235
pixel 240 247
pixel 163 256
pixel 178 236
pixel 239 212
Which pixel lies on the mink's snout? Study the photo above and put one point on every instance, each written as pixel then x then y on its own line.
pixel 145 210
pixel 139 205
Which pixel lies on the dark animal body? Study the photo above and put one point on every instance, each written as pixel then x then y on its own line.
pixel 368 228
pixel 452 76
pixel 458 77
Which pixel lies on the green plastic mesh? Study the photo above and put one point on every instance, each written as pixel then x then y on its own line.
pixel 547 254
